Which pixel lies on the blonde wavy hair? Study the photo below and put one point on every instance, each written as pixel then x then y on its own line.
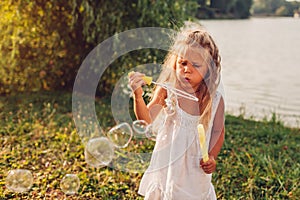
pixel 195 36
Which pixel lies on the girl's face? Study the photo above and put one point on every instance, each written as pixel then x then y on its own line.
pixel 191 68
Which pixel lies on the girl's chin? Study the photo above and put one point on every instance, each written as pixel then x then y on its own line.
pixel 186 86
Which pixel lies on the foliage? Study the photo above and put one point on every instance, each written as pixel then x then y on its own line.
pixel 42 43
pixel 225 9
pixel 35 47
pixel 110 17
pixel 259 160
pixel 242 8
pixel 275 7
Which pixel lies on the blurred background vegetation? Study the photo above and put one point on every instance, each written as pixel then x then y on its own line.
pixel 42 43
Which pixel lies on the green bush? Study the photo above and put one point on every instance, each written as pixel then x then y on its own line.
pixel 42 43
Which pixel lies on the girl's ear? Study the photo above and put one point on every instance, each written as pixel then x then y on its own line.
pixel 174 66
pixel 174 61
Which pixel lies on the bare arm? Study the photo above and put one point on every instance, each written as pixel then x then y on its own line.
pixel 217 140
pixel 218 131
pixel 218 146
pixel 141 110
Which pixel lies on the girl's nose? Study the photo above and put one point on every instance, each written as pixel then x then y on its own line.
pixel 186 68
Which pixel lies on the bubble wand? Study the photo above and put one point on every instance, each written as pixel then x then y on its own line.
pixel 149 81
pixel 203 146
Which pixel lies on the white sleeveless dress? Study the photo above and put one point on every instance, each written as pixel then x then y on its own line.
pixel 174 172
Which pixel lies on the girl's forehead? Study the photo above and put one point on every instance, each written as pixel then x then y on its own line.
pixel 192 54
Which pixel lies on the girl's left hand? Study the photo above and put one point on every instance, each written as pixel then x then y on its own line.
pixel 208 166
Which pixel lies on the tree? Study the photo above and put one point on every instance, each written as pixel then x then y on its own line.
pixel 42 43
pixel 275 7
pixel 36 46
pixel 232 8
pixel 242 8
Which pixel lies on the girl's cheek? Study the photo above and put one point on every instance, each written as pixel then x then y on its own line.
pixel 179 70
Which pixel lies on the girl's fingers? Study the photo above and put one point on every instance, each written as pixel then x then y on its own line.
pixel 135 75
pixel 135 82
pixel 208 170
pixel 209 166
pixel 136 78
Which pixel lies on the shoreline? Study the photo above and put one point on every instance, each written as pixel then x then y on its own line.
pixel 48 96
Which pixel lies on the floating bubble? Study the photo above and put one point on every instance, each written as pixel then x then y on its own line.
pixel 120 135
pixel 98 152
pixel 140 126
pixel 171 104
pixel 70 184
pixel 151 132
pixel 19 180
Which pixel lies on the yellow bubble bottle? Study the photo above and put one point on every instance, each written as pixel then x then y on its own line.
pixel 203 146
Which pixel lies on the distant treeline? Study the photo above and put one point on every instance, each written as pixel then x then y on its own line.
pixel 240 9
pixel 210 9
pixel 275 7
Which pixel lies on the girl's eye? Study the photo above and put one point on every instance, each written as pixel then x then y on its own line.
pixel 196 65
pixel 181 62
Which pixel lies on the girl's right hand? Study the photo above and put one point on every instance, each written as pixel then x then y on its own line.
pixel 136 82
pixel 208 166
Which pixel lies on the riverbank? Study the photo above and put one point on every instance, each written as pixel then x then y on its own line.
pixel 259 159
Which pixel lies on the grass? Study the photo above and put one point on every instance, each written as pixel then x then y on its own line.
pixel 259 160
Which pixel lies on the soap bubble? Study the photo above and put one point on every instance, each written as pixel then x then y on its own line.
pixel 140 126
pixel 171 104
pixel 70 184
pixel 19 180
pixel 120 135
pixel 151 132
pixel 98 152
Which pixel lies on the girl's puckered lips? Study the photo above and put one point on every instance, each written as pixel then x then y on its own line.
pixel 187 79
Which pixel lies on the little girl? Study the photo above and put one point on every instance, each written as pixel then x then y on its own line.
pixel 177 170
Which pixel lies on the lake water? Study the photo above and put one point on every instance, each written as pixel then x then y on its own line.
pixel 260 66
